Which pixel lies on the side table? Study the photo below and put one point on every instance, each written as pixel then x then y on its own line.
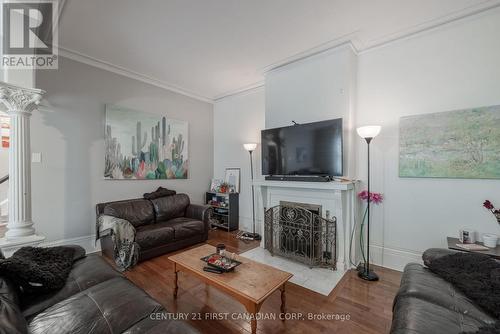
pixel 493 252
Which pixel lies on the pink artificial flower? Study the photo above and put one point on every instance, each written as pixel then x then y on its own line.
pixel 376 198
pixel 487 204
pixel 363 195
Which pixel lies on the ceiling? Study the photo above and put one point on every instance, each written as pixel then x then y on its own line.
pixel 211 48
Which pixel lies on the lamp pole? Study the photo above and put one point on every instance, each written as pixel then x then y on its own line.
pixel 250 147
pixel 367 265
pixel 368 133
pixel 253 195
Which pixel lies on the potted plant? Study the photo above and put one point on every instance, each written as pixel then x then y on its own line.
pixel 496 212
pixel 224 187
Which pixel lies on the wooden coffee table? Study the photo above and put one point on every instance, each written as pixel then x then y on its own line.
pixel 250 283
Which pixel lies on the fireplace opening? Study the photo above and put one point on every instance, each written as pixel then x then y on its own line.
pixel 314 208
pixel 292 238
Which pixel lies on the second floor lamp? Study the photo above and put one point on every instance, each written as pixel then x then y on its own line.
pixel 368 133
pixel 250 147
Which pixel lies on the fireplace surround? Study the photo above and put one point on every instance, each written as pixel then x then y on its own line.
pixel 335 199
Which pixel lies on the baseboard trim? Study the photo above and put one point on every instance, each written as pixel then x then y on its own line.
pixel 87 242
pixel 393 258
pixel 246 224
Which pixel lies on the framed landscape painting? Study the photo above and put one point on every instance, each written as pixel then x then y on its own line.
pixel 453 144
pixel 144 146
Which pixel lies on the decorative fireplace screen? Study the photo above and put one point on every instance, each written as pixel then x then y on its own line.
pixel 297 233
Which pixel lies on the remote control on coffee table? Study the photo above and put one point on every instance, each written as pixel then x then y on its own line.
pixel 212 270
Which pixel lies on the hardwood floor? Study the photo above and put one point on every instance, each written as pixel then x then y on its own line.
pixel 367 305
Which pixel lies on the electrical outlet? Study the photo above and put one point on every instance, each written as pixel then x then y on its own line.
pixel 36 157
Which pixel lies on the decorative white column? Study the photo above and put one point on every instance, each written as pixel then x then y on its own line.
pixel 19 103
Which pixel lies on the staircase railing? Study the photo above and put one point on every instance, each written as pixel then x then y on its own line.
pixel 3 216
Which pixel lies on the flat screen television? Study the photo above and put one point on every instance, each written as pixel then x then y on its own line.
pixel 304 149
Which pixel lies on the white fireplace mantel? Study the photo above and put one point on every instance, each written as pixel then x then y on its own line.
pixel 343 186
pixel 336 199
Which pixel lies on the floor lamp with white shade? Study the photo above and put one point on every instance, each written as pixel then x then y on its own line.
pixel 250 147
pixel 368 133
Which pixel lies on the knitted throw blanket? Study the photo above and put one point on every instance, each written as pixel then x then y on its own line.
pixel 38 270
pixel 478 277
pixel 160 192
pixel 122 232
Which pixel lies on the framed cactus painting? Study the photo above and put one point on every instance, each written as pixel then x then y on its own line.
pixel 144 146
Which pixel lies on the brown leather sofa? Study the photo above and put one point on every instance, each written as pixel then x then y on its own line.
pixel 162 225
pixel 427 304
pixel 95 299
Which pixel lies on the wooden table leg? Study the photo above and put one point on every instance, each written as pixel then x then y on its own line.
pixel 253 309
pixel 283 301
pixel 176 287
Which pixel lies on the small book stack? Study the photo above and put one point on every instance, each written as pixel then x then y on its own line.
pixel 472 247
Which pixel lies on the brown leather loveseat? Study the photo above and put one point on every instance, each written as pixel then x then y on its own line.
pixel 162 225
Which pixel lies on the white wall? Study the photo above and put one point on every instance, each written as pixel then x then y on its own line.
pixel 317 88
pixel 238 119
pixel 69 132
pixel 452 67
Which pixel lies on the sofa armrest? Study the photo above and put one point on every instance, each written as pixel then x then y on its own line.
pixel 200 212
pixel 434 253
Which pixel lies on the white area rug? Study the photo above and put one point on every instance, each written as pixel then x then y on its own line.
pixel 317 279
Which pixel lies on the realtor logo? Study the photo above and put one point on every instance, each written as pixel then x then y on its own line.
pixel 29 37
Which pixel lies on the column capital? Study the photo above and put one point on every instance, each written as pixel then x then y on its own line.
pixel 18 99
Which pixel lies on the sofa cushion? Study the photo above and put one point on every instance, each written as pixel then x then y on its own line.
pixel 435 253
pixel 154 235
pixel 9 291
pixel 170 207
pixel 420 282
pixel 87 272
pixel 418 316
pixel 138 211
pixel 11 318
pixel 186 227
pixel 112 306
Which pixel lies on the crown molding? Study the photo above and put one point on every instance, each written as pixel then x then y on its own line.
pixel 107 66
pixel 429 25
pixel 347 41
pixel 241 90
pixel 351 40
pixel 359 46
